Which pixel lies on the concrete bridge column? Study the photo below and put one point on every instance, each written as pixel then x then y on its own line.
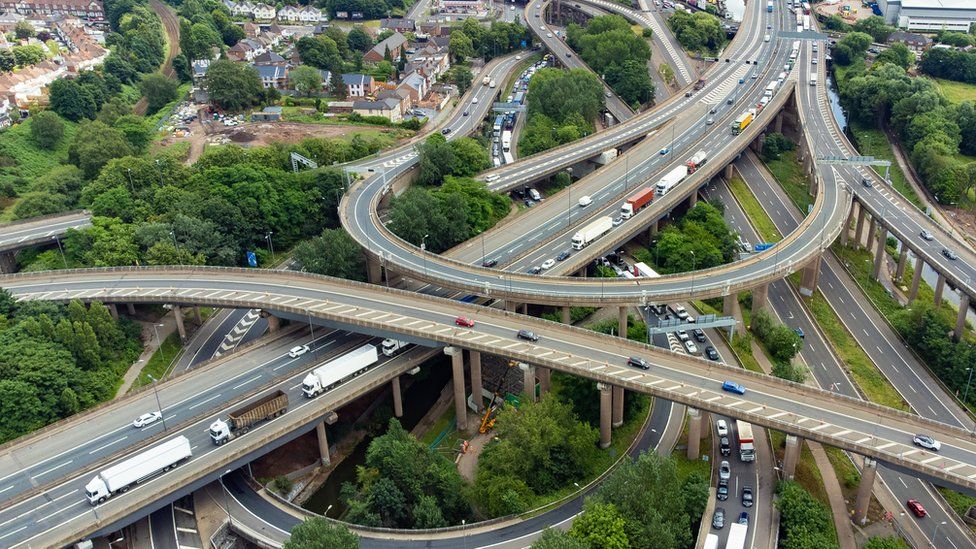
pixel 511 306
pixel 567 316
pixel 397 397
pixel 778 123
pixel 528 371
pixel 606 401
pixel 652 230
pixel 728 305
pixel 323 444
pixel 902 262
pixel 374 271
pixel 525 308
pixel 695 418
pixel 457 367
pixel 868 472
pixel 8 262
pixel 961 318
pixel 872 233
pixel 860 225
pixel 618 406
pixel 178 315
pixel 757 145
pixel 113 310
pixel 880 253
pixel 131 308
pixel 477 393
pixel 845 233
pixel 199 317
pixel 760 298
pixel 728 172
pixel 274 324
pixel 622 322
pixel 811 174
pixel 545 379
pixel 916 278
pixel 692 200
pixel 939 287
pixel 791 456
pixel 810 277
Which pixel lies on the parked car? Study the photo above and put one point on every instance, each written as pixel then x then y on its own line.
pixel 464 321
pixel 297 351
pixel 927 442
pixel 527 335
pixel 691 347
pixel 147 419
pixel 733 387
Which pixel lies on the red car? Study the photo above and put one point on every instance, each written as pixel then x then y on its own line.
pixel 916 508
pixel 464 321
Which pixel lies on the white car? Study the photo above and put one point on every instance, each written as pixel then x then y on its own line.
pixel 547 264
pixel 724 471
pixel 691 347
pixel 585 201
pixel 147 419
pixel 722 427
pixel 297 351
pixel 927 442
pixel 682 335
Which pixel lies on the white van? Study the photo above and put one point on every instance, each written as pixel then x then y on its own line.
pixel 766 38
pixel 534 195
pixel 492 177
pixel 813 80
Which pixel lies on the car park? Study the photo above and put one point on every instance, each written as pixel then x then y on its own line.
pixel 916 507
pixel 563 255
pixel 927 442
pixel 638 362
pixel 926 235
pixel 724 470
pixel 733 387
pixel 951 255
pixel 527 335
pixel 297 351
pixel 464 321
pixel 722 427
pixel 147 419
pixel 547 264
pixel 682 335
pixel 747 496
pixel 691 347
pixel 711 353
pixel 718 518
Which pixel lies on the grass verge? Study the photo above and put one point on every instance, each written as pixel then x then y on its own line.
pixel 760 220
pixel 873 142
pixel 159 362
pixel 807 474
pixel 788 171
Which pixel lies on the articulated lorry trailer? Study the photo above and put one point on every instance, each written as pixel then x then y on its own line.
pixel 747 444
pixel 597 228
pixel 339 370
pixel 671 179
pixel 636 202
pixel 146 464
pixel 393 346
pixel 241 420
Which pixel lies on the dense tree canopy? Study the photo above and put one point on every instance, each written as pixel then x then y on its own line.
pixel 562 108
pixel 47 128
pixel 699 31
pixel 318 533
pixel 804 521
pixel 332 253
pixel 700 240
pixel 233 86
pixel 609 46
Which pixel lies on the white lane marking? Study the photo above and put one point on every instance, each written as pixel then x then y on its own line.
pixel 104 446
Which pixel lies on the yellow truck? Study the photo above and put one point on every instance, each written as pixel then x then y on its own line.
pixel 742 121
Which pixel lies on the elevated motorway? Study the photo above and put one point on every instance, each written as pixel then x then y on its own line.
pixel 38 230
pixel 874 431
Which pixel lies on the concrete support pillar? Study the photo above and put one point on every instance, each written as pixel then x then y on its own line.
pixel 622 322
pixel 728 305
pixel 567 317
pixel 757 145
pixel 477 394
pixel 131 308
pixel 525 308
pixel 606 403
pixel 860 226
pixel 916 279
pixel 728 172
pixel 694 432
pixel 939 287
pixel 692 200
pixel 8 262
pixel 778 123
pixel 810 277
pixel 880 253
pixel 618 406
pixel 545 379
pixel 872 233
pixel 652 231
pixel 113 310
pixel 760 298
pixel 323 444
pixel 457 367
pixel 196 313
pixel 178 315
pixel 845 233
pixel 397 397
pixel 809 172
pixel 961 318
pixel 528 383
pixel 791 456
pixel 274 324
pixel 902 262
pixel 374 271
pixel 868 472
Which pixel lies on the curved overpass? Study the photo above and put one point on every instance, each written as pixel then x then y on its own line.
pixel 814 414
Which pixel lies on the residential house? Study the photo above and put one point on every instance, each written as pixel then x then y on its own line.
pixel 415 86
pixel 916 42
pixel 246 50
pixel 199 69
pixel 358 85
pixel 90 10
pixel 398 25
pixel 300 14
pixel 430 60
pixel 263 12
pixel 388 108
pixel 269 58
pixel 273 76
pixel 395 43
pixel 268 114
pixel 241 9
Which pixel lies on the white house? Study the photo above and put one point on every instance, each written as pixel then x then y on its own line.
pixel 263 12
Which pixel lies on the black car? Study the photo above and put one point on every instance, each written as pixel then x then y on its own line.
pixel 527 335
pixel 638 362
pixel 949 254
pixel 699 335
pixel 724 447
pixel 489 263
pixel 718 518
pixel 535 270
pixel 866 182
pixel 711 353
pixel 747 497
pixel 446 131
pixel 722 492
pixel 563 255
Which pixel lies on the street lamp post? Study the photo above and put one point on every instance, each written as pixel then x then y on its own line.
pixel 270 244
pixel 694 266
pixel 230 519
pixel 60 249
pixel 935 532
pixel 423 252
pixel 965 395
pixel 159 342
pixel 159 406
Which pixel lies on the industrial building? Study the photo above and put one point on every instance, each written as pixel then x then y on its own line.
pixel 929 15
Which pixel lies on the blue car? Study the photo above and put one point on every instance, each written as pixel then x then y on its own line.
pixel 733 387
pixel 664 151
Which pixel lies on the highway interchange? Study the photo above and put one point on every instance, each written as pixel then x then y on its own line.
pixel 821 128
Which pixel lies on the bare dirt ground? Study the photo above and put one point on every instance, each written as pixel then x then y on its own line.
pixel 468 462
pixel 964 220
pixel 835 9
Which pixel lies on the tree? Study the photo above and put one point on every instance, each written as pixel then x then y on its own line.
pixel 71 100
pixel 804 521
pixel 694 492
pixel 875 27
pixel 46 128
pixel 94 145
pixel 34 204
pixel 460 46
pixel 470 157
pixel 7 60
pixel 461 77
pixel 631 81
pixel 774 145
pixel 437 160
pixel 338 87
pixel 159 90
pixel 700 31
pixel 358 40
pixel 138 133
pixel 28 55
pixel 23 30
pixel 305 80
pixel 897 54
pixel 320 52
pixel 319 533
pixel 600 526
pixel 885 542
pixel 557 539
pixel 233 86
pixel 332 253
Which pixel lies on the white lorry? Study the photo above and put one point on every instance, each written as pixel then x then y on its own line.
pixel 606 157
pixel 670 179
pixel 339 370
pixel 737 536
pixel 591 232
pixel 485 81
pixel 747 444
pixel 148 463
pixel 393 346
